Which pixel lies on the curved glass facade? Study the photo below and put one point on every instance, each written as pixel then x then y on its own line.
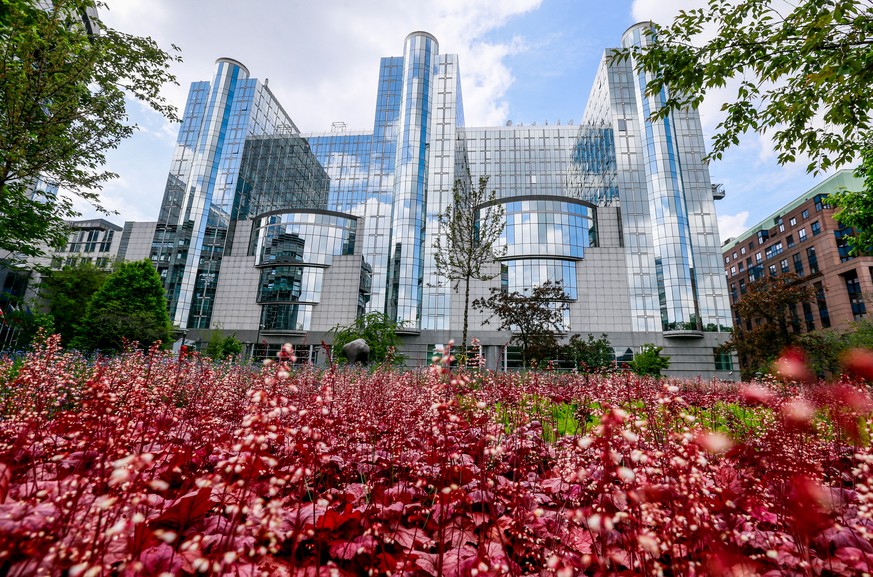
pixel 547 227
pixel 303 237
pixel 286 317
pixel 292 249
pixel 518 275
pixel 617 209
pixel 290 284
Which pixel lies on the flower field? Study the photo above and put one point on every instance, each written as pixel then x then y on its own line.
pixel 149 464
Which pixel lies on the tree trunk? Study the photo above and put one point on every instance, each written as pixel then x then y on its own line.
pixel 466 314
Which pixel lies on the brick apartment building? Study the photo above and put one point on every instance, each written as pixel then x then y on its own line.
pixel 803 238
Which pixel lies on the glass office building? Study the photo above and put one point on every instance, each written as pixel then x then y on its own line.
pixel 279 236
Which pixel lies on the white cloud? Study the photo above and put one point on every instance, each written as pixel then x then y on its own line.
pixel 733 225
pixel 662 11
pixel 323 60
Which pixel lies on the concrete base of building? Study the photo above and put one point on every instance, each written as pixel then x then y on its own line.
pixel 690 358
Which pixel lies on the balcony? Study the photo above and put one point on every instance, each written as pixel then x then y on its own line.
pixel 683 334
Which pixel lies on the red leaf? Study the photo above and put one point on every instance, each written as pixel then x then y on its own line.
pixel 187 509
pixel 5 477
pixel 555 485
pixel 160 559
pixel 142 537
pixel 809 501
pixel 855 558
pixel 407 537
pixel 363 545
pixel 334 519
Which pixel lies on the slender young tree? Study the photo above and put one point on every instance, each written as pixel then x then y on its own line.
pixel 64 77
pixel 535 319
pixel 469 238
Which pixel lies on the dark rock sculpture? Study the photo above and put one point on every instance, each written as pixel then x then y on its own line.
pixel 357 351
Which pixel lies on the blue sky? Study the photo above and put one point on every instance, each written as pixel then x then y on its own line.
pixel 521 60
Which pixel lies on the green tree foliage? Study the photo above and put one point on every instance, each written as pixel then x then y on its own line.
pixel 649 361
pixel 31 222
pixel 130 306
pixel 771 305
pixel 468 239
pixel 823 349
pixel 380 332
pixel 19 327
pixel 860 335
pixel 62 106
pixel 856 209
pixel 223 347
pixel 590 355
pixel 802 73
pixel 535 319
pixel 67 292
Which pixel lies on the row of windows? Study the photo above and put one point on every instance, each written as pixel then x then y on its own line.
pixel 71 261
pixel 772 250
pixel 512 357
pixel 763 235
pixel 757 271
pixel 93 240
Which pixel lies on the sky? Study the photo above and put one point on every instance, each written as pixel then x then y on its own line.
pixel 521 60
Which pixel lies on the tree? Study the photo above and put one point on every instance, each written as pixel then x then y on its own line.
pixel 823 349
pixel 861 334
pixel 63 81
pixel 380 332
pixel 223 347
pixel 469 234
pixel 802 71
pixel 856 209
pixel 535 319
pixel 770 307
pixel 130 306
pixel 649 362
pixel 590 355
pixel 67 292
pixel 19 327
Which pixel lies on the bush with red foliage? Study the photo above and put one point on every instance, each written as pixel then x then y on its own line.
pixel 150 464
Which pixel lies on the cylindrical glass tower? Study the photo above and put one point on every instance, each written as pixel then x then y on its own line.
pixel 405 275
pixel 671 233
pixel 197 202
